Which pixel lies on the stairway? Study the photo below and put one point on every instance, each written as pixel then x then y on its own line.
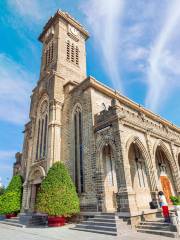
pixel 103 223
pixel 157 227
pixel 12 222
pixel 25 220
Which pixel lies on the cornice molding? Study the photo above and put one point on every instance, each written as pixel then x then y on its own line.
pixel 91 82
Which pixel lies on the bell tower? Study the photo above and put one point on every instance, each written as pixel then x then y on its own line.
pixel 63 60
pixel 64 50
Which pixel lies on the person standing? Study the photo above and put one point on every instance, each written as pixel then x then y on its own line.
pixel 163 204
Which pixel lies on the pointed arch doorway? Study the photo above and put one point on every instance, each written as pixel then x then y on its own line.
pixel 110 180
pixel 164 174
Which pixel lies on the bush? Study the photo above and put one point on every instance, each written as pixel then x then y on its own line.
pixel 10 201
pixel 175 200
pixel 57 195
pixel 2 190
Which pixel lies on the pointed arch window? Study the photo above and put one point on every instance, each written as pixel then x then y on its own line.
pixel 37 146
pixel 52 51
pixel 72 53
pixel 110 168
pixel 78 151
pixel 41 147
pixel 140 166
pixel 49 53
pixel 161 161
pixel 41 142
pixel 45 136
pixel 68 50
pixel 77 55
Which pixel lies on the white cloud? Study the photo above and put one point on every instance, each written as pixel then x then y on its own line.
pixel 7 157
pixel 33 10
pixel 161 74
pixel 137 53
pixel 104 21
pixel 6 154
pixel 15 89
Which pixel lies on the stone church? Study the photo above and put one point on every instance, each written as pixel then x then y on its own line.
pixel 118 153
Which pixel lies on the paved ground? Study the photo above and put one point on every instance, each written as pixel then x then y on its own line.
pixel 64 233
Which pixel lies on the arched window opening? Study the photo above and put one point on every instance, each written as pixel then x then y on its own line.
pixel 165 174
pixel 140 179
pixel 52 50
pixel 77 55
pixel 79 173
pixel 41 143
pixel 161 161
pixel 72 53
pixel 42 129
pixel 110 171
pixel 37 147
pixel 68 50
pixel 137 167
pixel 140 167
pixel 49 53
pixel 45 136
pixel 46 56
pixel 179 161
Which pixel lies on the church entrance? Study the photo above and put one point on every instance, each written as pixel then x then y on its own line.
pixel 166 187
pixel 34 191
pixel 139 176
pixel 110 181
pixel 164 174
pixel 35 179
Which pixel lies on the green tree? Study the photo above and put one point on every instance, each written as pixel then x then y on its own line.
pixel 10 200
pixel 57 195
pixel 2 190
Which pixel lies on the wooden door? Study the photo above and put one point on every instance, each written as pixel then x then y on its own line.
pixel 166 186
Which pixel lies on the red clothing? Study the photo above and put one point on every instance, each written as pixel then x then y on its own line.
pixel 165 211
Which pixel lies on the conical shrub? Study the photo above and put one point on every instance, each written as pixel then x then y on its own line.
pixel 10 200
pixel 57 195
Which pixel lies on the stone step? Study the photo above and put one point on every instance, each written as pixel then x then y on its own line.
pixel 103 223
pixel 12 220
pixel 161 228
pixel 95 227
pixel 16 224
pixel 105 216
pixel 110 224
pixel 154 223
pixel 158 232
pixel 103 220
pixel 96 231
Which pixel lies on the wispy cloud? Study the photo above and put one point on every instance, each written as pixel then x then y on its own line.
pixel 15 89
pixel 6 165
pixel 33 10
pixel 4 154
pixel 104 21
pixel 163 59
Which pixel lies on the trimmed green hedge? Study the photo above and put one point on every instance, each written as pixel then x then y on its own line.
pixel 2 189
pixel 175 200
pixel 10 201
pixel 57 195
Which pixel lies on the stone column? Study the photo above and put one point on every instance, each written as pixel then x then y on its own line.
pixel 175 170
pixel 28 196
pixel 127 196
pixel 152 168
pixel 54 133
pixel 24 197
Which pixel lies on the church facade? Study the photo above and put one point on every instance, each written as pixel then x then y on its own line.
pixel 118 153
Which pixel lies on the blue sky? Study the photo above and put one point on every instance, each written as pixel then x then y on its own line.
pixel 134 47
